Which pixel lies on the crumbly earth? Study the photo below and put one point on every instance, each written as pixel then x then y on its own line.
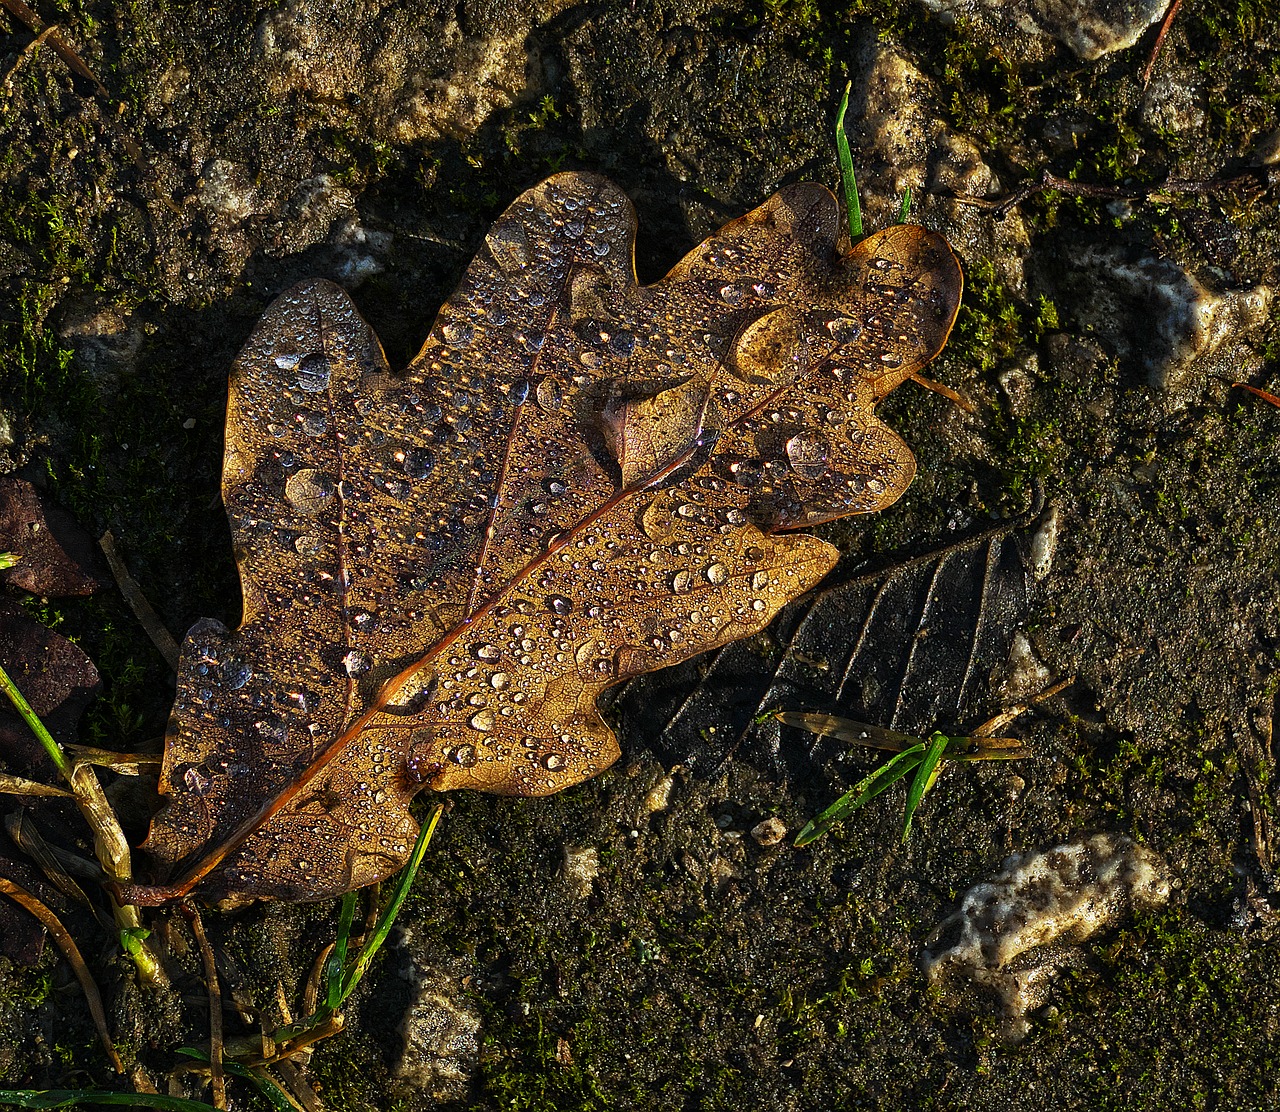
pixel 631 943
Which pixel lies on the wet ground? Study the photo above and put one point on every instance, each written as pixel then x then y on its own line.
pixel 631 942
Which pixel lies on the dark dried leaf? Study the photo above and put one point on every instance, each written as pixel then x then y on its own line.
pixel 912 647
pixel 55 677
pixel 54 553
pixel 577 481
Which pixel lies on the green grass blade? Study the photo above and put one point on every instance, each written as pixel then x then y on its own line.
pixel 403 884
pixel 906 206
pixel 847 181
pixel 264 1084
pixel 70 1098
pixel 926 776
pixel 8 560
pixel 861 793
pixel 32 719
pixel 337 962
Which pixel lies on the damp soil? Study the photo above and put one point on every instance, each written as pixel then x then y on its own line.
pixel 630 942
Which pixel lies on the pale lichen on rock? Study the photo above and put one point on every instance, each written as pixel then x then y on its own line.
pixel 1000 935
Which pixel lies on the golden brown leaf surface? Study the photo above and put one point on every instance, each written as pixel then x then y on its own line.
pixel 578 480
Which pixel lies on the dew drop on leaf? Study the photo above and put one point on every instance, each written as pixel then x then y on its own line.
pixel 458 333
pixel 236 673
pixel 418 462
pixel 310 491
pixel 548 394
pixel 313 373
pixel 807 453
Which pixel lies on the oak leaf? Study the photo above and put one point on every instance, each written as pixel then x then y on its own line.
pixel 578 480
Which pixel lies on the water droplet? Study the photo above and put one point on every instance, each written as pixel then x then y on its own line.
pixel 622 343
pixel 757 604
pixel 499 680
pixel 196 781
pixel 482 720
pixel 356 663
pixel 682 581
pixel 518 391
pixel 730 294
pixel 716 574
pixel 760 581
pixel 395 488
pixel 236 673
pixel 891 359
pixel 554 486
pixel 509 245
pixel 277 430
pixel 807 454
pixel 457 333
pixel 309 490
pixel 313 373
pixel 548 394
pixel 558 604
pixel 552 761
pixel 308 544
pixel 418 462
pixel 844 329
pixel 487 652
pixel 313 424
pixel 464 755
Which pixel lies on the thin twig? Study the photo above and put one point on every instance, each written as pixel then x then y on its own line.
pixel 63 940
pixel 26 52
pixel 1261 393
pixel 1047 181
pixel 27 838
pixel 216 1076
pixel 20 785
pixel 60 45
pixel 1164 30
pixel 142 610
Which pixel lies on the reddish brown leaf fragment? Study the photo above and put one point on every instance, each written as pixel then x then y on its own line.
pixel 578 480
pixel 54 676
pixel 53 552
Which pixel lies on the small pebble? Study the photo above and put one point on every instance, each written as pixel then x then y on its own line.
pixel 770 832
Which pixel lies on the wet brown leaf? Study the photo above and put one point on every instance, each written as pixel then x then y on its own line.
pixel 578 480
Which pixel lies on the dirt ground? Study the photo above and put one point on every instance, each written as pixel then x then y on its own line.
pixel 636 942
